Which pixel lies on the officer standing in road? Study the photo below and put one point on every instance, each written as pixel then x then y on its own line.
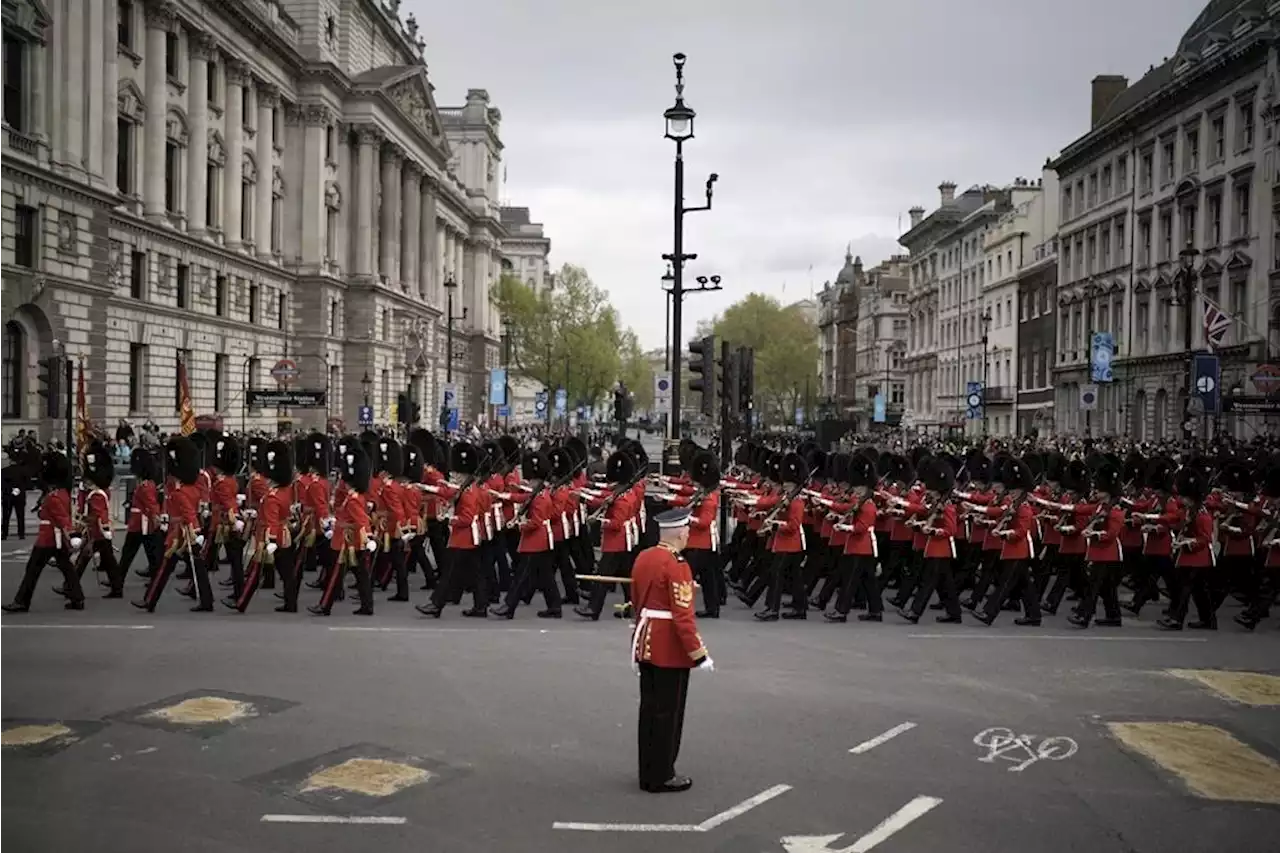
pixel 665 645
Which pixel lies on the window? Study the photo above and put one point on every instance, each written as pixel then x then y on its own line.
pixel 253 371
pixel 897 393
pixel 384 331
pixel 282 311
pixel 246 212
pixel 1144 242
pixel 1191 145
pixel 1242 210
pixel 1166 161
pixel 137 377
pixel 1106 182
pixel 1104 237
pixel 1218 132
pixel 184 284
pixel 275 127
pixel 124 155
pixel 171 63
pixel 25 235
pixel 1148 169
pixel 124 23
pixel 219 382
pixel 213 185
pixel 1093 189
pixel 15 368
pixel 1239 290
pixel 1122 173
pixel 333 317
pixel 253 303
pixel 1066 203
pixel 183 361
pixel 211 82
pixel 137 275
pixel 1215 220
pixel 277 221
pixel 1245 116
pixel 328 144
pixel 172 175
pixel 220 296
pixel 246 115
pixel 1091 265
pixel 1121 249
pixel 1189 226
pixel 1166 236
pixel 15 82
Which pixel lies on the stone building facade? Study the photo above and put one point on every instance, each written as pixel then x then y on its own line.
pixel 275 181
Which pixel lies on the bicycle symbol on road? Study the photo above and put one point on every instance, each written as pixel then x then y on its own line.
pixel 1022 750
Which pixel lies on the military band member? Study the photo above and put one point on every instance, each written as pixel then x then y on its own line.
pixel 180 522
pixel 226 529
pixel 1195 561
pixel 273 539
pixel 940 528
pixel 1015 522
pixel 389 509
pixel 618 533
pixel 313 494
pixel 536 520
pixel 1105 552
pixel 466 526
pixel 56 534
pixel 95 522
pixel 142 529
pixel 861 551
pixel 350 536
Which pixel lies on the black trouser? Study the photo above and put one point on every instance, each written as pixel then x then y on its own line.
pixel 937 574
pixel 150 543
pixel 662 699
pixel 1070 567
pixel 290 578
pixel 859 576
pixel 234 546
pixel 1015 574
pixel 705 564
pixel 106 562
pixel 1147 589
pixel 537 572
pixel 564 562
pixel 416 556
pixel 1104 583
pixel 167 567
pixel 35 565
pixel 464 570
pixel 1205 586
pixel 774 578
pixel 391 563
pixel 614 564
pixel 257 574
pixel 15 504
pixel 333 588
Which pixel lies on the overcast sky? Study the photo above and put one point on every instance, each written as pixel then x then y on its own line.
pixel 825 119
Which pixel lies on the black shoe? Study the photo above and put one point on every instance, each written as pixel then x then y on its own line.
pixel 1107 623
pixel 711 614
pixel 318 610
pixel 202 608
pixel 674 785
pixel 284 608
pixel 937 605
pixel 60 590
pixel 315 585
pixel 835 617
pixel 584 612
pixel 1198 625
pixel 549 614
pixel 362 611
pixel 279 595
pixel 142 605
pixel 1028 623
pixel 767 616
pixel 1246 621
pixel 478 613
pixel 15 607
pixel 74 605
pixel 909 616
pixel 115 593
pixel 795 614
pixel 870 617
pixel 1079 621
pixel 949 620
pixel 1167 624
pixel 982 617
pixel 398 598
pixel 231 603
pixel 428 610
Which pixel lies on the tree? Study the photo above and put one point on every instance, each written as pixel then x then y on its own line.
pixel 786 351
pixel 637 370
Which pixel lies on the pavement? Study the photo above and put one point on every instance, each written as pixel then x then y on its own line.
pixel 127 731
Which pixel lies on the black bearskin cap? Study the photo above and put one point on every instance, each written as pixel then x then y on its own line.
pixel 535 466
pixel 1236 476
pixel 1191 482
pixel 510 449
pixel 99 467
pixel 937 474
pixel 464 458
pixel 278 458
pixel 225 455
pixel 412 463
pixel 1107 477
pixel 562 462
pixel 704 470
pixel 620 467
pixel 144 465
pixel 861 470
pixel 182 460
pixel 301 463
pixel 56 471
pixel 318 453
pixel 353 464
pixel 390 458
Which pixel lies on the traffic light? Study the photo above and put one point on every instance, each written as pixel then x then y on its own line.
pixel 730 379
pixel 402 408
pixel 415 412
pixel 51 385
pixel 702 369
pixel 746 381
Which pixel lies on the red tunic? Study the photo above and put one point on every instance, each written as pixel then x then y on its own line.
pixel 942 545
pixel 788 537
pixel 1107 547
pixel 1160 541
pixel 1198 555
pixel 144 508
pixel 535 530
pixel 861 540
pixel 273 517
pixel 662 584
pixel 97 515
pixel 617 528
pixel 222 500
pixel 181 504
pixel 467 526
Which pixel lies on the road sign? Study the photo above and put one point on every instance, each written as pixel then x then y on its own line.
pixel 973 400
pixel 1266 379
pixel 366 416
pixel 1088 397
pixel 1206 379
pixel 662 393
pixel 450 395
pixel 504 411
pixel 284 371
pixel 301 398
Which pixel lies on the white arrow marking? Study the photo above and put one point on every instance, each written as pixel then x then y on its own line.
pixel 887 828
pixel 884 738
pixel 706 826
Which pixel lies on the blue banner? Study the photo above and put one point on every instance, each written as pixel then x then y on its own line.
pixel 452 423
pixel 497 386
pixel 366 416
pixel 540 403
pixel 974 400
pixel 1103 349
pixel 877 414
pixel 1206 380
pixel 504 411
pixel 562 402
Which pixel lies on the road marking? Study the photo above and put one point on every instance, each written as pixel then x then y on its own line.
pixel 706 826
pixel 355 629
pixel 1210 761
pixel 1247 688
pixel 869 745
pixel 1095 638
pixel 887 828
pixel 74 627
pixel 328 818
pixel 1000 742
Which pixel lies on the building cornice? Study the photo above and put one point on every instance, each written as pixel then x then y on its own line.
pixel 136 225
pixel 259 31
pixel 49 180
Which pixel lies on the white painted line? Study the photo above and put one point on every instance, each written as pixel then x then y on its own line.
pixel 324 818
pixel 867 746
pixel 743 807
pixel 706 826
pixel 1079 637
pixel 70 626
pixel 359 629
pixel 896 822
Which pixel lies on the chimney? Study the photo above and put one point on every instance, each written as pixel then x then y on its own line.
pixel 917 215
pixel 1105 88
pixel 947 191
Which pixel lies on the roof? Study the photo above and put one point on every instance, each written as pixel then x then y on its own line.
pixel 1218 15
pixel 516 216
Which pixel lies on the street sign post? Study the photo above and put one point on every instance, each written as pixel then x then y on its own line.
pixel 301 398
pixel 366 416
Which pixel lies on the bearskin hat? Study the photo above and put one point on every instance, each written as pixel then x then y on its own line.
pixel 562 462
pixel 224 453
pixel 254 452
pixel 535 465
pixel 99 467
pixel 55 471
pixel 688 449
pixel 1159 474
pixel 353 465
pixel 1016 474
pixel 495 459
pixel 1135 468
pixel 444 456
pixel 278 458
pixel 203 445
pixel 144 465
pixel 426 444
pixel 182 459
pixel 978 467
pixel 1107 477
pixel 742 456
pixel 412 463
pixel 317 453
pixel 896 467
pixel 1236 476
pixel 510 449
pixel 464 458
pixel 839 465
pixel 705 470
pixel 937 474
pixel 861 470
pixel 301 463
pixel 390 457
pixel 1054 464
pixel 815 460
pixel 1191 482
pixel 620 467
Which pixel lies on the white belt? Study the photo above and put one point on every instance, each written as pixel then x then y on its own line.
pixel 646 616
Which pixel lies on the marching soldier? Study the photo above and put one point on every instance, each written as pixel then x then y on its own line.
pixel 142 530
pixel 466 524
pixel 941 529
pixel 1015 520
pixel 858 563
pixel 1105 553
pixel 536 521
pixel 351 536
pixel 55 534
pixel 180 522
pixel 1196 559
pixel 273 545
pixel 313 494
pixel 618 534
pixel 226 527
pixel 665 645
pixel 95 521
pixel 388 507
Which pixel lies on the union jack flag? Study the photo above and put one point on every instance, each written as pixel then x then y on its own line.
pixel 1216 323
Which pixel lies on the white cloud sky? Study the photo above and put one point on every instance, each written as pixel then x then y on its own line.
pixel 825 119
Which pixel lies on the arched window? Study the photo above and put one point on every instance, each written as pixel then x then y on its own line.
pixel 131 112
pixel 277 210
pixel 213 181
pixel 1139 425
pixel 1161 412
pixel 249 171
pixel 14 369
pixel 175 156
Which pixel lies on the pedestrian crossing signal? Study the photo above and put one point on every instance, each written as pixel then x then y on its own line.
pixel 51 385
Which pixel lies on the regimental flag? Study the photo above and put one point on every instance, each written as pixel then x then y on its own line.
pixel 186 412
pixel 84 426
pixel 1216 323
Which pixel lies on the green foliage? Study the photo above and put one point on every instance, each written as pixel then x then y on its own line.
pixel 786 351
pixel 637 370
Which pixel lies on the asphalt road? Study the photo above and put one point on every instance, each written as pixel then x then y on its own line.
pixel 497 731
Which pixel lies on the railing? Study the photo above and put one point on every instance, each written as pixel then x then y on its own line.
pixel 20 142
pixel 1001 394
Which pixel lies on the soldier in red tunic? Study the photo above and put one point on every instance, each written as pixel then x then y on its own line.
pixel 940 527
pixel 466 533
pixel 389 510
pixel 350 537
pixel 313 495
pixel 536 521
pixel 226 528
pixel 142 530
pixel 1013 527
pixel 181 525
pixel 618 533
pixel 95 520
pixel 665 645
pixel 861 551
pixel 273 539
pixel 56 533
pixel 1105 552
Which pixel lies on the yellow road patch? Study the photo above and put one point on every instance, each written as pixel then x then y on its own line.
pixel 1249 688
pixel 33 734
pixel 1211 762
pixel 372 777
pixel 205 710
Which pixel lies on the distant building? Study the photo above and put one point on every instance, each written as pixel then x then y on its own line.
pixel 525 249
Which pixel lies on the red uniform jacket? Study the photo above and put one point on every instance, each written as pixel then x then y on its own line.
pixel 432 504
pixel 144 508
pixel 704 524
pixel 565 507
pixel 1019 545
pixel 273 517
pixel 466 530
pixel 1107 547
pixel 978 532
pixel 314 495
pixel 205 484
pixel 662 584
pixel 1077 517
pixel 535 530
pixel 389 506
pixel 258 485
pixel 181 504
pixel 222 500
pixel 411 503
pixel 1048 520
pixel 55 519
pixel 861 540
pixel 350 521
pixel 1239 544
pixel 617 527
pixel 1131 537
pixel 1200 554
pixel 788 537
pixel 97 515
pixel 943 545
pixel 1160 541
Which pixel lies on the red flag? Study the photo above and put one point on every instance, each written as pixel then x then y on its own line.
pixel 1216 323
pixel 84 426
pixel 186 411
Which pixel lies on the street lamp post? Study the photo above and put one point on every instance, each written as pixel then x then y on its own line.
pixel 679 129
pixel 508 336
pixel 1186 286
pixel 985 318
pixel 450 286
pixel 666 292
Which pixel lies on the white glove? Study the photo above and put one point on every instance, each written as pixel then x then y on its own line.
pixel 164 518
pixel 239 525
pixel 407 535
pixel 200 540
pixel 164 527
pixel 76 542
pixel 371 545
pixel 707 664
pixel 106 534
pixel 328 523
pixel 271 547
pixel 328 533
pixel 15 492
pixel 369 506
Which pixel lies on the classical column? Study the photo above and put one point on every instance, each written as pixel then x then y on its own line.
pixel 268 100
pixel 235 76
pixel 159 20
pixel 315 214
pixel 411 198
pixel 110 103
pixel 201 48
pixel 428 249
pixel 389 230
pixel 370 139
pixel 94 51
pixel 70 51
